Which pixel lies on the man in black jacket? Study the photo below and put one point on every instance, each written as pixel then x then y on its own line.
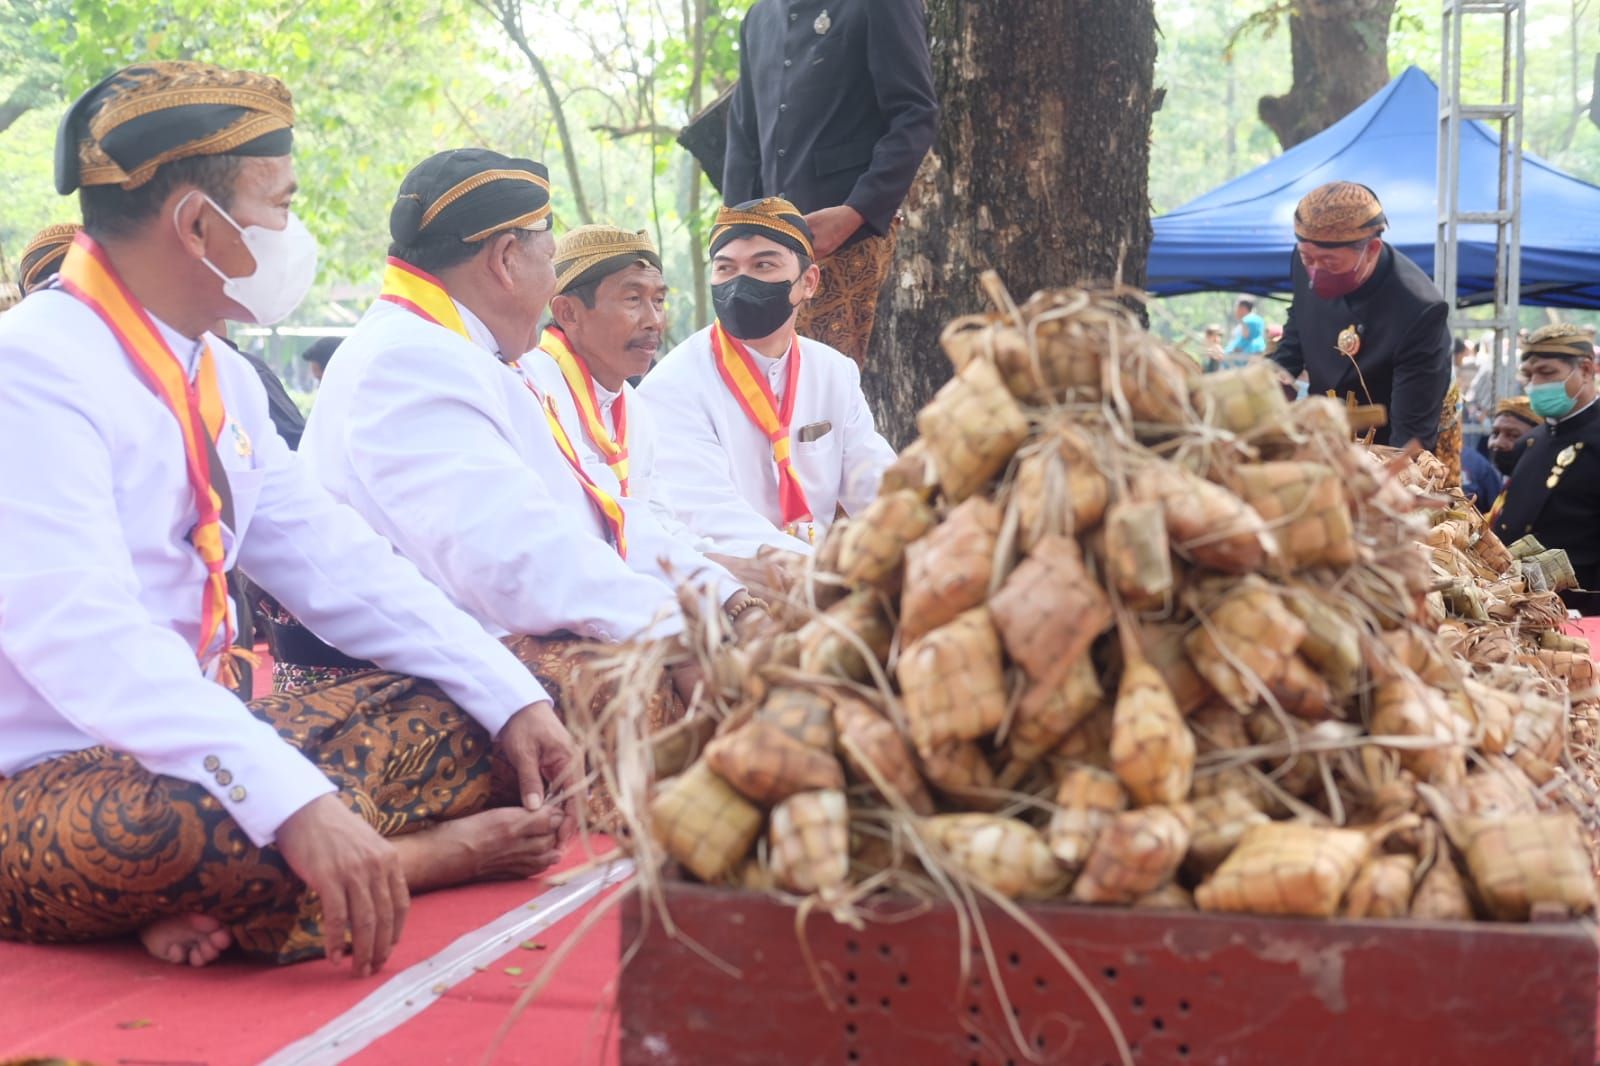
pixel 834 111
pixel 1367 325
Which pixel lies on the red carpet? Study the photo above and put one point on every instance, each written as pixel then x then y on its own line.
pixel 113 1004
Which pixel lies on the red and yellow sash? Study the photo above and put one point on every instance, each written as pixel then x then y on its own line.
pixel 88 275
pixel 422 295
pixel 749 386
pixel 581 384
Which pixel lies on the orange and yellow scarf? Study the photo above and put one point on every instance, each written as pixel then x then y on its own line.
pixel 580 383
pixel 88 275
pixel 749 386
pixel 420 293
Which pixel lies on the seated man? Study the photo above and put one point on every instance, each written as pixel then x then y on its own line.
pixel 1554 490
pixel 765 434
pixel 428 426
pixel 137 794
pixel 42 256
pixel 608 314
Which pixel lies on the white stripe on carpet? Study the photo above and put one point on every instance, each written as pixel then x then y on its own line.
pixel 412 991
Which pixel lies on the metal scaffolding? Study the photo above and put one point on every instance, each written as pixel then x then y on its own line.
pixel 1506 216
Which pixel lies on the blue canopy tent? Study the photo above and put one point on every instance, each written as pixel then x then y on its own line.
pixel 1238 238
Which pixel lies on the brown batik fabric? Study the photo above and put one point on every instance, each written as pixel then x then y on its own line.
pixel 557 661
pixel 93 845
pixel 1448 450
pixel 843 312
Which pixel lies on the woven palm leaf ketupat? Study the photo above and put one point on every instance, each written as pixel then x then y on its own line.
pixel 1247 635
pixel 875 752
pixel 1046 714
pixel 1304 506
pixel 703 822
pixel 873 547
pixel 1152 750
pixel 811 842
pixel 1242 400
pixel 1058 488
pixel 1523 862
pixel 948 571
pixel 1206 522
pixel 1004 854
pixel 953 682
pixel 1382 888
pixel 803 714
pixel 768 765
pixel 1286 868
pixel 973 426
pixel 1048 612
pixel 1136 853
pixel 1085 801
pixel 1137 553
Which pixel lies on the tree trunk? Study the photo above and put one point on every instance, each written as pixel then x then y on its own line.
pixel 1340 54
pixel 1040 171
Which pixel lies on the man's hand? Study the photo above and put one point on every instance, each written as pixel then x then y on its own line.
pixel 546 760
pixel 357 875
pixel 831 227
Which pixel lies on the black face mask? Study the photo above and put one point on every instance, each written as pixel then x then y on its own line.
pixel 1505 461
pixel 749 308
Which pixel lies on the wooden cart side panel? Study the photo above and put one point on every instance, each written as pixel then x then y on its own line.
pixel 1185 988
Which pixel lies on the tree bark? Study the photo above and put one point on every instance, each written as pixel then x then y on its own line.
pixel 1040 171
pixel 1340 54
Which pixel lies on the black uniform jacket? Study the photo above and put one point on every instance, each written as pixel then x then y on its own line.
pixel 835 105
pixel 1404 359
pixel 1554 493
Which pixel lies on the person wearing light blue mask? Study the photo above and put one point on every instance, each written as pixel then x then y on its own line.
pixel 1554 492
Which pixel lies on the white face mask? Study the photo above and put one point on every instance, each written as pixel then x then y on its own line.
pixel 286 265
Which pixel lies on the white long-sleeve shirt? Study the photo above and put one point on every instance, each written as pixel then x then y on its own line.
pixel 645 487
pixel 447 452
pixel 716 465
pixel 100 590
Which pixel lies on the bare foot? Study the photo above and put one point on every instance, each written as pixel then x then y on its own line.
pixel 504 844
pixel 196 939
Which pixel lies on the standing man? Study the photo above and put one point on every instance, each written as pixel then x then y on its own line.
pixel 42 256
pixel 137 794
pixel 765 434
pixel 834 111
pixel 1367 325
pixel 1554 492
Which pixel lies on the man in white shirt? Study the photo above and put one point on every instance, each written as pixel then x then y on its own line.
pixel 137 466
pixel 428 425
pixel 764 435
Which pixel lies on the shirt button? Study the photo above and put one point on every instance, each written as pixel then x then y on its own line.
pixel 788 62
pixel 782 152
pixel 212 763
pixel 783 107
pixel 793 16
pixel 237 794
pixel 224 777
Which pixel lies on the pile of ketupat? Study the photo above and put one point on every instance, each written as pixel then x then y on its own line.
pixel 1115 633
